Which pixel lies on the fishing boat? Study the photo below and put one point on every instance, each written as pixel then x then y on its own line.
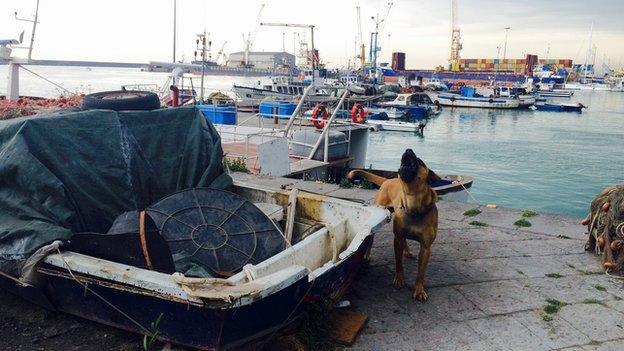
pixel 555 93
pixel 277 87
pixel 467 97
pixel 525 99
pixel 120 255
pixel 412 106
pixel 559 107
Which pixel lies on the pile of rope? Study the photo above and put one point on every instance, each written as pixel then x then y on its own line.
pixel 605 225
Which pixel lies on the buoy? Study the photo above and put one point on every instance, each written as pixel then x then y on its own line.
pixel 615 245
pixel 358 115
pixel 606 206
pixel 601 242
pixel 319 116
pixel 585 221
pixel 608 265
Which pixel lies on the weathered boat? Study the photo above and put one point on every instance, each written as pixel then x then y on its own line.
pixel 103 247
pixel 559 107
pixel 454 187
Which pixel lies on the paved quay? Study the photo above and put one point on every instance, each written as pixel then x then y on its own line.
pixel 488 285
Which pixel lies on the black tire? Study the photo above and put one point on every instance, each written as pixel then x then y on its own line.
pixel 121 100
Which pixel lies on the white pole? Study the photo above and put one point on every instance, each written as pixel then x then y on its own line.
pixel 174 29
pixel 32 36
pixel 505 48
pixel 13 81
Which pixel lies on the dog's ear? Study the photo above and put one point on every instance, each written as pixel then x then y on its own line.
pixel 432 177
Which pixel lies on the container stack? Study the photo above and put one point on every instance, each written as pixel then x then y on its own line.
pixel 510 65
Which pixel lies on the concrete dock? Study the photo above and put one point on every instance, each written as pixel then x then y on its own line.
pixel 488 286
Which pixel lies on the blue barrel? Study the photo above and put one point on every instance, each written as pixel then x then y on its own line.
pixel 270 109
pixel 219 114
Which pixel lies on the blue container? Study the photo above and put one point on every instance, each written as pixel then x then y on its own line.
pixel 269 109
pixel 224 114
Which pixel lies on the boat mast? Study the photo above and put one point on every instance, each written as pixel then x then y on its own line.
pixel 589 48
pixel 174 29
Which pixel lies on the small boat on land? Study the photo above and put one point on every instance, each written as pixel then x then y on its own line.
pixel 452 186
pixel 467 97
pixel 203 261
pixel 559 107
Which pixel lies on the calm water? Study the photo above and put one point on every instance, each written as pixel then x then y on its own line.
pixel 544 161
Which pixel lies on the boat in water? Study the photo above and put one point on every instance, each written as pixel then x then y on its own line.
pixel 559 107
pixel 408 106
pixel 467 97
pixel 284 88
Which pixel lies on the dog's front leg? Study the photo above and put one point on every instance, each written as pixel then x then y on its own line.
pixel 423 260
pixel 399 247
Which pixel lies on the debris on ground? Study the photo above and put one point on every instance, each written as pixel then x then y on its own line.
pixel 27 106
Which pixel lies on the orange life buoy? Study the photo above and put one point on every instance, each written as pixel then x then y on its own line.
pixel 319 116
pixel 358 115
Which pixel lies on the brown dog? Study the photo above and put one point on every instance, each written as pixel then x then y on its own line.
pixel 415 213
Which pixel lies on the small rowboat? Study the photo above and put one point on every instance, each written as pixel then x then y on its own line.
pixel 559 107
pixel 453 186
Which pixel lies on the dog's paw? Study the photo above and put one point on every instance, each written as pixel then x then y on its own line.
pixel 420 294
pixel 399 280
pixel 408 254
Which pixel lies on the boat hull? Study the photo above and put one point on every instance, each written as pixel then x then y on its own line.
pixel 454 100
pixel 182 323
pixel 559 107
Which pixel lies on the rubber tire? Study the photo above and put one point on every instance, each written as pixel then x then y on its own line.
pixel 144 100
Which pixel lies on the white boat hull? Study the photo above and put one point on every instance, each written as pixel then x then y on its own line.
pixel 455 100
pixel 394 126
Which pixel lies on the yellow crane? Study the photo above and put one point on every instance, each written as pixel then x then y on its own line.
pixel 456 45
pixel 362 55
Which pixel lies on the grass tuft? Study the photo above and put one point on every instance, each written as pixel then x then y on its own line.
pixel 586 272
pixel 593 301
pixel 600 288
pixel 522 223
pixel 553 306
pixel 528 213
pixel 561 236
pixel 316 326
pixel 472 212
pixel 235 165
pixel 478 224
pixel 345 183
pixel 554 275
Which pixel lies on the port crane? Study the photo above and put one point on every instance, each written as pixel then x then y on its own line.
pixel 362 54
pixel 456 45
pixel 249 40
pixel 220 53
pixel 312 57
pixel 380 25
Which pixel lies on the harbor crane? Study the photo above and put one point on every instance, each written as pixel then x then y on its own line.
pixel 362 55
pixel 379 28
pixel 220 53
pixel 249 40
pixel 456 45
pixel 311 57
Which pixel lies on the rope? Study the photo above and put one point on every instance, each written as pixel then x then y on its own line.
pixel 466 190
pixel 47 80
pixel 17 281
pixel 86 287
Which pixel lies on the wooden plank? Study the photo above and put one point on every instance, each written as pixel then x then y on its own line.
pixel 346 325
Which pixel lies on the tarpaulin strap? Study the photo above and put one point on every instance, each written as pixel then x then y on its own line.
pixel 148 261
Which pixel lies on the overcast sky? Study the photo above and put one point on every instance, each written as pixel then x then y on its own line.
pixel 141 30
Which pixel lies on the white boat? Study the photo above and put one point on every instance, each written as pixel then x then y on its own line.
pixel 524 98
pixel 617 84
pixel 279 87
pixel 588 86
pixel 395 126
pixel 458 100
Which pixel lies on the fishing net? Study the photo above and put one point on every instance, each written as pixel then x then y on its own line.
pixel 605 225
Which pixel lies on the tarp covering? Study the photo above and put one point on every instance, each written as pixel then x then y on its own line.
pixel 76 171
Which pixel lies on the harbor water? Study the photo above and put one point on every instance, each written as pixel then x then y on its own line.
pixel 544 161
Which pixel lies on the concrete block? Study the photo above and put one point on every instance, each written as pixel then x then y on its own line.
pixel 499 297
pixel 598 322
pixel 507 333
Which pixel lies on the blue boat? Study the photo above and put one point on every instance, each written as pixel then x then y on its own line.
pixel 409 106
pixel 559 107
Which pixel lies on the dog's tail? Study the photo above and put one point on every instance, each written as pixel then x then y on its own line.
pixel 377 180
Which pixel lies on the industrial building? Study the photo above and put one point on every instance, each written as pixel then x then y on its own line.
pixel 262 59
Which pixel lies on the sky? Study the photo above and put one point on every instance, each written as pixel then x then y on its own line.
pixel 142 30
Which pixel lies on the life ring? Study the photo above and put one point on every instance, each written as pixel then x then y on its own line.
pixel 319 116
pixel 358 115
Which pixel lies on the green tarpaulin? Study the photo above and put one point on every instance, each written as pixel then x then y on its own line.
pixel 76 171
